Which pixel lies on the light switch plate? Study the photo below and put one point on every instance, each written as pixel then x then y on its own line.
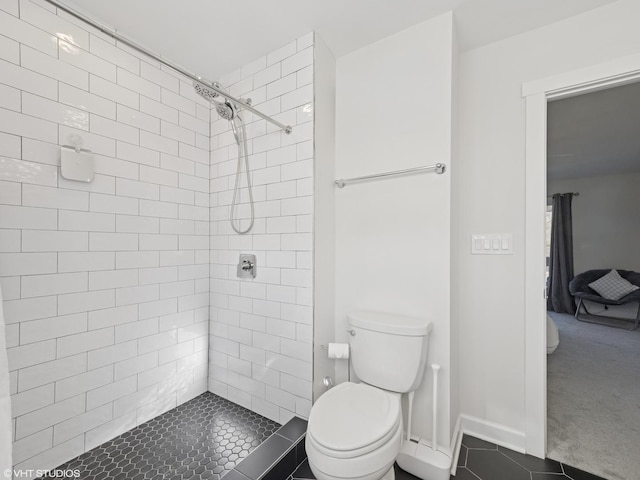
pixel 492 244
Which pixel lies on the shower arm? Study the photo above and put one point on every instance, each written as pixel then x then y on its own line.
pixel 130 43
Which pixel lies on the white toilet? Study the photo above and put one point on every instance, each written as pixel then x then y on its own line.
pixel 355 429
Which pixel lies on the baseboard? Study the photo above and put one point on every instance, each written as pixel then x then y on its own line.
pixel 456 442
pixel 492 432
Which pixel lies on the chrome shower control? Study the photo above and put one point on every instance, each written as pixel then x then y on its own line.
pixel 246 266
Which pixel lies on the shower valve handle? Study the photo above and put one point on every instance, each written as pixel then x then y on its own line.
pixel 246 265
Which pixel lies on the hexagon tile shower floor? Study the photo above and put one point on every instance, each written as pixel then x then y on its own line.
pixel 201 439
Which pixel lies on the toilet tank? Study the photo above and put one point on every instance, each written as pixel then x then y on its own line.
pixel 388 351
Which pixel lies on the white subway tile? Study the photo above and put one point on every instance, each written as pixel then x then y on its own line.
pixel 111 91
pixel 110 392
pixel 133 188
pixel 9 240
pixel 194 153
pixel 113 54
pixel 29 309
pixel 10 98
pixel 27 263
pixel 9 50
pixel 281 225
pixel 27 172
pixel 159 77
pixel 24 33
pixel 29 81
pixel 282 53
pixel 158 176
pixel 112 204
pixel 138 84
pixel 177 195
pixel 82 221
pixel 53 24
pixel 158 275
pixel 49 328
pixel 112 316
pixel 158 110
pixel 131 295
pixel 48 372
pixel 85 261
pixel 178 102
pixel 297 313
pixel 281 328
pixel 109 430
pixel 297 241
pixel 295 385
pixel 138 119
pixel 134 224
pixel 158 143
pixel 72 386
pixel 178 257
pixel 86 101
pixel 10 194
pixel 137 259
pixel 181 134
pixel 83 342
pixel 40 196
pixel 158 209
pixel 84 302
pixel 266 342
pixel 38 62
pixel 281 86
pixel 48 416
pixel 10 146
pixel 135 365
pixel 297 278
pixel 112 354
pixel 31 400
pixel 53 241
pixel 53 284
pixel 87 61
pixel 296 98
pixel 112 241
pixel 49 459
pixel 305 77
pixel 112 279
pixel 156 342
pixel 32 354
pixel 298 61
pixel 82 423
pixel 112 129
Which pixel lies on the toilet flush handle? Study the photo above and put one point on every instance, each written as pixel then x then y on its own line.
pixel 351 332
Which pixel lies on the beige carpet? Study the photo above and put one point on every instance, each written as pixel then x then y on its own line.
pixel 593 399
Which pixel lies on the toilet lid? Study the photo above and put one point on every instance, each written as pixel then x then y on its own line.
pixel 351 416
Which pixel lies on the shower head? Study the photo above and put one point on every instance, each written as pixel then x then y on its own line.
pixel 204 89
pixel 225 109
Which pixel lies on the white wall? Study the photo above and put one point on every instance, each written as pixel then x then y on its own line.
pixel 105 284
pixel 492 199
pixel 324 85
pixel 393 111
pixel 606 220
pixel 261 329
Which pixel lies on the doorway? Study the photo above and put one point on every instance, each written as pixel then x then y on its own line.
pixel 537 94
pixel 593 156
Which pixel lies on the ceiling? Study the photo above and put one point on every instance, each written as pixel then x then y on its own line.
pixel 594 134
pixel 215 37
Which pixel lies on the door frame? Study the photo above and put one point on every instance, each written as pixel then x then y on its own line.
pixel 536 94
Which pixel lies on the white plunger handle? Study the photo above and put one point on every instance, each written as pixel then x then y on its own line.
pixel 434 441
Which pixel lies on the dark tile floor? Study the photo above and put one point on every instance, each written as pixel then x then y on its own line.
pixel 202 439
pixel 480 460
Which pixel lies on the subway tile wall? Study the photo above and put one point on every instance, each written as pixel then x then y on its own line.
pixel 106 284
pixel 260 350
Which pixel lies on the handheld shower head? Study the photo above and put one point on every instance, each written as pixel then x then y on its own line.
pixel 225 109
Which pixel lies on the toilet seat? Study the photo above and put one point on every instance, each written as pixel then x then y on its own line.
pixel 351 420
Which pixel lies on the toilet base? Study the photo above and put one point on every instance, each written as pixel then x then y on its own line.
pixel 389 475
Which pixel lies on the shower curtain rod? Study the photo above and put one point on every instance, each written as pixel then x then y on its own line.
pixel 112 33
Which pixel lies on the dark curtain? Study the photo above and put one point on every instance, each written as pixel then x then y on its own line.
pixel 561 259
